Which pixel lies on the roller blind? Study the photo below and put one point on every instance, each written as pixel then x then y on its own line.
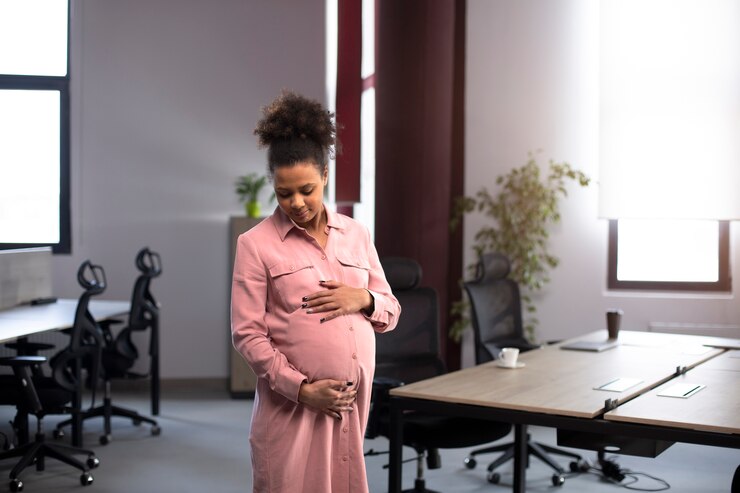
pixel 670 109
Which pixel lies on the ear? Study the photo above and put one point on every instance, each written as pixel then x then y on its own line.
pixel 325 177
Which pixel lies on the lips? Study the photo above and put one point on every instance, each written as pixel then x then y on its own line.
pixel 301 215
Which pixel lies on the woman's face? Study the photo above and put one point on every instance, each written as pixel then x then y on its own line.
pixel 299 190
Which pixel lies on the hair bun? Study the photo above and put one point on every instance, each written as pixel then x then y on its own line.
pixel 291 116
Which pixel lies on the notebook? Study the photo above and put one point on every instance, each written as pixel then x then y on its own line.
pixel 595 346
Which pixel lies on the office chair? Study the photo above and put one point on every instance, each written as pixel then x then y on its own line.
pixel 59 393
pixel 120 352
pixel 496 317
pixel 410 353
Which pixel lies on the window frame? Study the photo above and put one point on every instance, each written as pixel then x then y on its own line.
pixel 61 84
pixel 723 284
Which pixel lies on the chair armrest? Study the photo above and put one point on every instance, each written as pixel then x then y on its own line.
pixel 28 348
pixel 379 404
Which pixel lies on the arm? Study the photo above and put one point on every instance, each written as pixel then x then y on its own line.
pixel 386 307
pixel 250 333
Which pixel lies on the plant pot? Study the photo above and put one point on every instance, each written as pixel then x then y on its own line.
pixel 252 209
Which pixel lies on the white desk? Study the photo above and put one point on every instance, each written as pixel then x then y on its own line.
pixel 25 320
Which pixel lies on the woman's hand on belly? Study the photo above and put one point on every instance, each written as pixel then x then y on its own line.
pixel 338 299
pixel 332 397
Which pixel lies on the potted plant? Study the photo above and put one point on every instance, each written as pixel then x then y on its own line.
pixel 248 188
pixel 525 204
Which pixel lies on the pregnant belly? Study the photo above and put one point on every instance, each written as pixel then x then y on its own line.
pixel 334 349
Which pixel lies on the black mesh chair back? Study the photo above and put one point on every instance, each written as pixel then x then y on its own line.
pixel 496 308
pixel 121 353
pixel 410 352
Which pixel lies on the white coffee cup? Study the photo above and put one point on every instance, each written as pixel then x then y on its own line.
pixel 508 356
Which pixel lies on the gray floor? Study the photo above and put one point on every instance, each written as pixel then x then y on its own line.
pixel 204 448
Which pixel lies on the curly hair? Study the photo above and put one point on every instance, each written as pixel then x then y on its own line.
pixel 296 129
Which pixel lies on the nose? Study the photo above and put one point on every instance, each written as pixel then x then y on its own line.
pixel 296 202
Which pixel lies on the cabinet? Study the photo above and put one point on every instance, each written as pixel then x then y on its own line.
pixel 242 380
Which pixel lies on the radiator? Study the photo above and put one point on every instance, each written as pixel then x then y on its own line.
pixel 701 329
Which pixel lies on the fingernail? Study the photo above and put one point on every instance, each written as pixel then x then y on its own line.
pixel 303 305
pixel 321 320
pixel 322 281
pixel 305 298
pixel 310 311
pixel 349 383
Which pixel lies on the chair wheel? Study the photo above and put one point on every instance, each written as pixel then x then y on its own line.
pixel 86 479
pixel 105 439
pixel 558 480
pixel 156 430
pixel 579 466
pixel 16 485
pixel 470 462
pixel 493 477
pixel 58 434
pixel 92 462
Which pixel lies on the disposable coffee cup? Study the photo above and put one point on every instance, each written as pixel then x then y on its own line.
pixel 613 319
pixel 508 356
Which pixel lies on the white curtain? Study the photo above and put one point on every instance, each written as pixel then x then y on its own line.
pixel 670 109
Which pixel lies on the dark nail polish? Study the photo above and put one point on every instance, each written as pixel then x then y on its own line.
pixel 305 298
pixel 322 320
pixel 303 305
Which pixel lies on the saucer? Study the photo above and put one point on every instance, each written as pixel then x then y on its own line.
pixel 518 364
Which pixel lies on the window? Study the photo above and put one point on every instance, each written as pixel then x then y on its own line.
pixel 669 255
pixel 670 96
pixel 34 125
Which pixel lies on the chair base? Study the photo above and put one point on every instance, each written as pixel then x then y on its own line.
pixel 419 487
pixel 37 451
pixel 107 411
pixel 539 450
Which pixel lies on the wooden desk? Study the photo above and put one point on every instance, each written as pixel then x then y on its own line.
pixel 556 388
pixel 715 408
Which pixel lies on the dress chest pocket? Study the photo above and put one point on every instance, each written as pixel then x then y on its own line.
pixel 293 280
pixel 355 267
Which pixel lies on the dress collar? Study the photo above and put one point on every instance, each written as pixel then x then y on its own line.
pixel 284 224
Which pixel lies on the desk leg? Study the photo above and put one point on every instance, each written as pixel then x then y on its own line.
pixel 396 450
pixel 520 458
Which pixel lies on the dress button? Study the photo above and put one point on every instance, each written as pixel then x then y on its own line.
pixel 354 355
pixel 345 458
pixel 323 257
pixel 351 328
pixel 345 429
pixel 292 267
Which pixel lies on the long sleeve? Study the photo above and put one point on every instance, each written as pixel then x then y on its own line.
pixel 387 309
pixel 250 333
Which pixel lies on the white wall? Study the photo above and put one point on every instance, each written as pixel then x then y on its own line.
pixel 532 83
pixel 165 94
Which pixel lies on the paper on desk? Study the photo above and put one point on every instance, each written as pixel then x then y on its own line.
pixel 619 384
pixel 681 390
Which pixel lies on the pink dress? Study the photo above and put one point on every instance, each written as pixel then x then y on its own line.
pixel 296 448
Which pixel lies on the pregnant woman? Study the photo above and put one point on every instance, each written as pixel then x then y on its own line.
pixel 308 295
